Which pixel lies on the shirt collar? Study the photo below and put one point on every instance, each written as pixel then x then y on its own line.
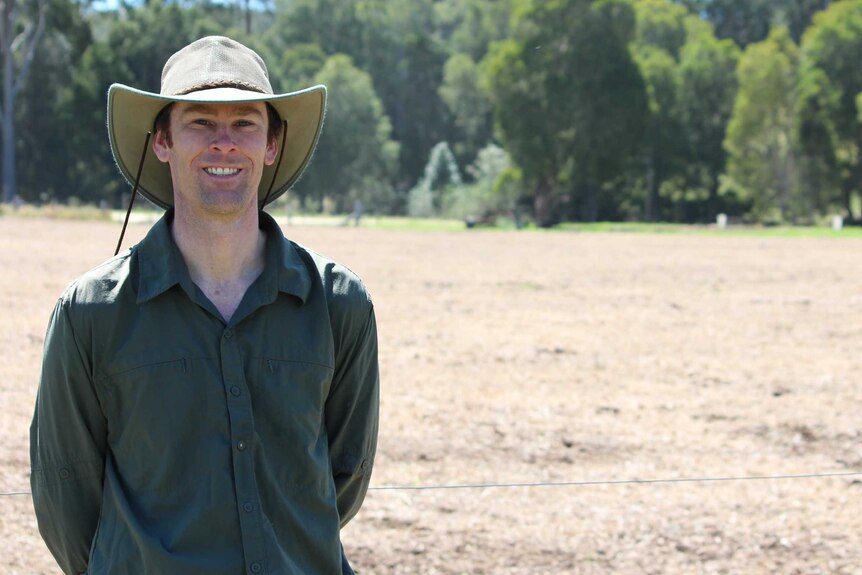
pixel 161 265
pixel 282 255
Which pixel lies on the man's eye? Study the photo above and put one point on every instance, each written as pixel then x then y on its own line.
pixel 244 123
pixel 202 122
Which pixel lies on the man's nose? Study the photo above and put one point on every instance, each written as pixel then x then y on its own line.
pixel 223 139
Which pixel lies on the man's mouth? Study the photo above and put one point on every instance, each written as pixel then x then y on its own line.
pixel 221 171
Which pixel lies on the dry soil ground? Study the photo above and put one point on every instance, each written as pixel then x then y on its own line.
pixel 530 357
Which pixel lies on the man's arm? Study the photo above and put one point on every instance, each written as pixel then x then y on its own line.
pixel 352 410
pixel 67 446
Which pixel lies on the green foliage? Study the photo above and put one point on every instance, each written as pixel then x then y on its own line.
pixel 42 115
pixel 761 134
pixel 467 101
pixel 748 21
pixel 708 85
pixel 830 80
pixel 355 156
pixel 570 102
pixel 493 192
pixel 661 25
pixel 661 34
pixel 297 67
pixel 469 27
pixel 571 109
pixel 391 40
pixel 441 173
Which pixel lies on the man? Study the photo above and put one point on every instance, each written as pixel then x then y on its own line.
pixel 208 399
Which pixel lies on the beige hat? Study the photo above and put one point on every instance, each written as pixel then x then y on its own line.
pixel 212 69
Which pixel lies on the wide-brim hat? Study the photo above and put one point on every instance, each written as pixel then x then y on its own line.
pixel 214 69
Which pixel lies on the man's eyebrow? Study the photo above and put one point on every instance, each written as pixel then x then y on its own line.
pixel 210 111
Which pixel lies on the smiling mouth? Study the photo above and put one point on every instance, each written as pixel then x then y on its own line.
pixel 222 171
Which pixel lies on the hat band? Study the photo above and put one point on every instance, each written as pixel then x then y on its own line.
pixel 238 85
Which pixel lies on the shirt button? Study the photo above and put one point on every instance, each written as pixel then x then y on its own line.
pixel 254 567
pixel 64 474
pixel 228 334
pixel 247 507
pixel 235 391
pixel 240 445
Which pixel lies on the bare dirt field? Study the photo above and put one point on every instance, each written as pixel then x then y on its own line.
pixel 528 357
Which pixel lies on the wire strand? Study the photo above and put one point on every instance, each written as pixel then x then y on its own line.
pixel 585 482
pixel 588 482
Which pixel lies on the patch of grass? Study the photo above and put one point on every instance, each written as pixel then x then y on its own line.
pixel 413 224
pixel 143 215
pixel 56 211
pixel 522 285
pixel 701 229
pixel 628 228
pixel 370 222
pixel 373 222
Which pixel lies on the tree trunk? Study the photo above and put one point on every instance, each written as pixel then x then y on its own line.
pixel 847 196
pixel 542 204
pixel 8 113
pixel 12 83
pixel 783 183
pixel 712 202
pixel 652 182
pixel 9 191
pixel 591 202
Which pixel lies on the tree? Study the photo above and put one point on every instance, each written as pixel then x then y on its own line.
pixel 469 27
pixel 797 15
pixel 43 147
pixel 661 25
pixel 470 106
pixel 708 85
pixel 761 139
pixel 395 42
pixel 829 113
pixel 355 157
pixel 570 101
pixel 297 67
pixel 18 40
pixel 748 21
pixel 441 175
pixel 743 21
pixel 660 36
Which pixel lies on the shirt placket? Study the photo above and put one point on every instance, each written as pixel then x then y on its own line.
pixel 242 446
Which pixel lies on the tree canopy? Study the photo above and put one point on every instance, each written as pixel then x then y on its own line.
pixel 669 110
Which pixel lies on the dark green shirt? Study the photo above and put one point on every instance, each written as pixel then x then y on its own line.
pixel 168 441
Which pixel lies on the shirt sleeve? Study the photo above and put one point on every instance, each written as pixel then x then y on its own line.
pixel 67 446
pixel 352 410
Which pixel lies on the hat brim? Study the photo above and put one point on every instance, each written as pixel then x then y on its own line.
pixel 132 112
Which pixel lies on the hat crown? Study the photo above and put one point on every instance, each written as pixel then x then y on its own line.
pixel 214 62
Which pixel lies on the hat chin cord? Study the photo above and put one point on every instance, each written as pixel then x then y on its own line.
pixel 141 168
pixel 278 164
pixel 134 192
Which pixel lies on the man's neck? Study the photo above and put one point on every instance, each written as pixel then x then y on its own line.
pixel 224 257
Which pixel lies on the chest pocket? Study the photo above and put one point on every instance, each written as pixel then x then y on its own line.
pixel 289 399
pixel 160 406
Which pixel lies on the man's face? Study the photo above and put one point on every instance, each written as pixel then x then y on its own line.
pixel 216 153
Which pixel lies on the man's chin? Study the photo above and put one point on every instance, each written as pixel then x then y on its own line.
pixel 226 203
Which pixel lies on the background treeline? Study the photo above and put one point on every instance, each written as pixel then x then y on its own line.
pixel 542 110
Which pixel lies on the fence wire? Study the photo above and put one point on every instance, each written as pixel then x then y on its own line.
pixel 585 482
pixel 588 482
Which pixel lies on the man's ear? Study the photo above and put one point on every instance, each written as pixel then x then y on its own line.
pixel 160 145
pixel 271 152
